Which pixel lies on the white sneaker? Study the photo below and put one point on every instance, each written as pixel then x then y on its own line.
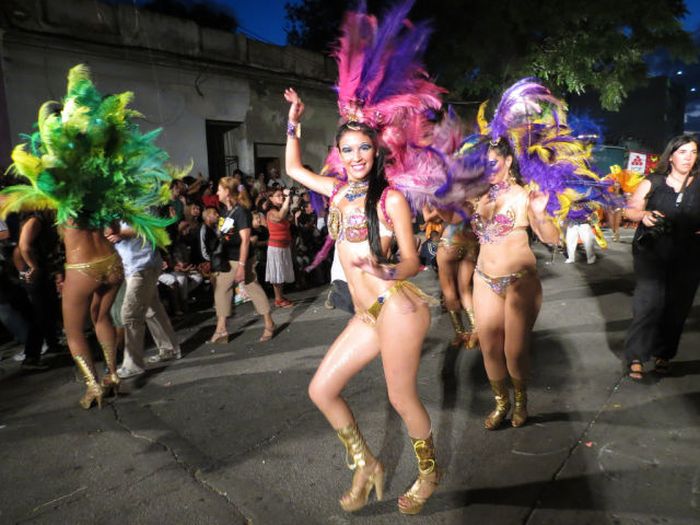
pixel 168 355
pixel 125 373
pixel 591 259
pixel 19 356
pixel 569 261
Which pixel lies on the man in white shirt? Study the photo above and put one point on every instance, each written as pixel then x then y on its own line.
pixel 142 306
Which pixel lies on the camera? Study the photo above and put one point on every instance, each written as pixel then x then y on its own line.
pixel 661 228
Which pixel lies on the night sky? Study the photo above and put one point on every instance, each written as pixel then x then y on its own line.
pixel 265 20
pixel 261 19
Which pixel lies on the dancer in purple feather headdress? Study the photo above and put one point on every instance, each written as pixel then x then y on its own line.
pixel 382 96
pixel 539 178
pixel 507 290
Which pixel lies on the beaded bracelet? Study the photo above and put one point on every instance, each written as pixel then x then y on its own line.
pixel 293 130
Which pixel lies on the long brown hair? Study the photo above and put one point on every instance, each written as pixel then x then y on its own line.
pixel 236 190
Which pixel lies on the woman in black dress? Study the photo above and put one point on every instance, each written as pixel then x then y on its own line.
pixel 666 250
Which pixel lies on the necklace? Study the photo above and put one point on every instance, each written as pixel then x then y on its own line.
pixel 496 189
pixel 356 190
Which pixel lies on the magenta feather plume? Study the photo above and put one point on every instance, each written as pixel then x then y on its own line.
pixel 435 173
pixel 357 33
pixel 381 77
pixel 382 82
pixel 322 254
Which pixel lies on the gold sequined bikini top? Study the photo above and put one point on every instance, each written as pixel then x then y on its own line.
pixel 352 226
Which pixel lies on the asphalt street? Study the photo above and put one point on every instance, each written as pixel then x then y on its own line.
pixel 227 435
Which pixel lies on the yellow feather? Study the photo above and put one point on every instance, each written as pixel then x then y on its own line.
pixel 26 164
pixel 481 118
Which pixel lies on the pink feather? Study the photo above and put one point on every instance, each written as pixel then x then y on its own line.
pixel 322 254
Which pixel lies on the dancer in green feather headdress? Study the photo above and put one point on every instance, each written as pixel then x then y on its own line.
pixel 88 161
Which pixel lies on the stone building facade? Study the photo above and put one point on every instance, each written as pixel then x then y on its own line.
pixel 216 95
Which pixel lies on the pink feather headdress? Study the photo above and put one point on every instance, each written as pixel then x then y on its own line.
pixel 382 83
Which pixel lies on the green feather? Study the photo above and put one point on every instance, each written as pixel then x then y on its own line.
pixel 91 163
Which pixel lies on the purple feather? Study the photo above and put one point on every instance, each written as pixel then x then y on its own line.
pixel 317 202
pixel 375 57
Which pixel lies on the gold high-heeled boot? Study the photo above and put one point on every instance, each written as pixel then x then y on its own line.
pixel 473 337
pixel 111 381
pixel 501 395
pixel 369 472
pixel 412 502
pixel 520 402
pixel 460 331
pixel 93 392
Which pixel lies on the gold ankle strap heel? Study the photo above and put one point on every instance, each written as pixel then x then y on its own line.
pixel 502 397
pixel 368 471
pixel 473 337
pixel 461 333
pixel 110 382
pixel 412 502
pixel 520 402
pixel 93 391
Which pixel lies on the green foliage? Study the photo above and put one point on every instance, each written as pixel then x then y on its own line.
pixel 481 46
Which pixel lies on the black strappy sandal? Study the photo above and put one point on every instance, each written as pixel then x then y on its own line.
pixel 661 366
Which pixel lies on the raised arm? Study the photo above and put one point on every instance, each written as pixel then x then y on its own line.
pixel 541 223
pixel 293 164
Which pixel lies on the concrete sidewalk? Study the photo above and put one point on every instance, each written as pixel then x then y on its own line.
pixel 228 435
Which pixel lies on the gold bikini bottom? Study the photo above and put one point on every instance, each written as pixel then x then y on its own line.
pixel 371 315
pixel 105 270
pixel 462 248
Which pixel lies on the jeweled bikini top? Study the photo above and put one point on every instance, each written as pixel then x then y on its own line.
pixel 353 227
pixel 501 224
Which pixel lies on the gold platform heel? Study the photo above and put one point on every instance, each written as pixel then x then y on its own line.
pixel 501 395
pixel 110 382
pixel 472 335
pixel 93 392
pixel 520 402
pixel 461 333
pixel 369 472
pixel 412 502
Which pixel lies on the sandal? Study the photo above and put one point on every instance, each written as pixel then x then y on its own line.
pixel 268 334
pixel 283 303
pixel 636 370
pixel 219 338
pixel 661 366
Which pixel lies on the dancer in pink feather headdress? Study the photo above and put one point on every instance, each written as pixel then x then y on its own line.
pixel 384 98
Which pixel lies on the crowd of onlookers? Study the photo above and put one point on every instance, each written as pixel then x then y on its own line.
pixel 29 303
pixel 283 221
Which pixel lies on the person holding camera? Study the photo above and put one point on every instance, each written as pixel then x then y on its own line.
pixel 231 262
pixel 666 251
pixel 279 268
